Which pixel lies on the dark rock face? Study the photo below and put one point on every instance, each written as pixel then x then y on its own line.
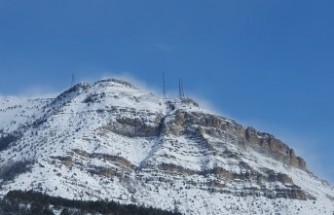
pixel 273 177
pixel 122 166
pixel 267 143
pixel 218 127
pixel 136 127
pixel 94 97
pixel 291 191
pixel 124 83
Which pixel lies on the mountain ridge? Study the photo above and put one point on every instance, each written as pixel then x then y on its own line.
pixel 113 140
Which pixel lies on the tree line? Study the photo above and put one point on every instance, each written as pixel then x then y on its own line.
pixel 35 203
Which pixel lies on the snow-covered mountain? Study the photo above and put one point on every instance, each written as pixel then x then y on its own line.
pixel 113 141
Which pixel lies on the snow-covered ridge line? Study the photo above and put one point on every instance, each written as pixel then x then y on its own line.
pixel 112 140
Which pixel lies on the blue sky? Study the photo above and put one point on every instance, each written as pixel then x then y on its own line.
pixel 265 63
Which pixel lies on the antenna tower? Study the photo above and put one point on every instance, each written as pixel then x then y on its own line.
pixel 181 92
pixel 163 85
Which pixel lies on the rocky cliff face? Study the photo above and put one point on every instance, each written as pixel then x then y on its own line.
pixel 187 122
pixel 111 140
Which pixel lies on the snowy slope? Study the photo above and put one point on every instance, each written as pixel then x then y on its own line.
pixel 111 140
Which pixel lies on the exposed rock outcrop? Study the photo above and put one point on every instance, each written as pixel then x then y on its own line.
pixel 219 127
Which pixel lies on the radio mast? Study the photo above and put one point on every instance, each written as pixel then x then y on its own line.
pixel 163 85
pixel 181 92
pixel 73 80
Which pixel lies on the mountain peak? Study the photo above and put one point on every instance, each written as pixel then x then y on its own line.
pixel 114 82
pixel 112 140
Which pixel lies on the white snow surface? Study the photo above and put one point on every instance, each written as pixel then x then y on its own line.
pixel 68 139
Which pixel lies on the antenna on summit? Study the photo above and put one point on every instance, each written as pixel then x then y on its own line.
pixel 181 92
pixel 73 80
pixel 182 88
pixel 163 85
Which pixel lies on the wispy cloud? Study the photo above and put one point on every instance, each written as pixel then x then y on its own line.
pixel 164 47
pixel 35 92
pixel 122 75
